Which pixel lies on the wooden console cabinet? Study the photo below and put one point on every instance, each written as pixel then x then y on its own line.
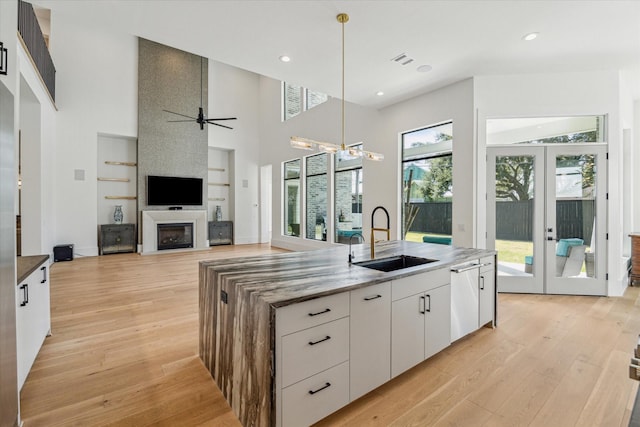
pixel 117 238
pixel 220 233
pixel 634 274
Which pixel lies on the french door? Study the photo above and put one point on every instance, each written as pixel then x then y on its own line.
pixel 546 217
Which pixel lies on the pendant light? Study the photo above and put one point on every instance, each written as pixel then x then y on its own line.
pixel 328 147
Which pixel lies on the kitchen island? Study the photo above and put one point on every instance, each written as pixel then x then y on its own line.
pixel 279 330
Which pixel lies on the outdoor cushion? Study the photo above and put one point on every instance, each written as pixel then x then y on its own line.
pixel 563 246
pixel 438 240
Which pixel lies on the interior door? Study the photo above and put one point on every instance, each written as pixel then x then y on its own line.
pixel 546 213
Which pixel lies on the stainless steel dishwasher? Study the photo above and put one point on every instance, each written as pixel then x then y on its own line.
pixel 464 299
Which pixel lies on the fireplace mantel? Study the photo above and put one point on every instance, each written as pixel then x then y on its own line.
pixel 150 220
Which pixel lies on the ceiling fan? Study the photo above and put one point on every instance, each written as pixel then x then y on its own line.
pixel 201 119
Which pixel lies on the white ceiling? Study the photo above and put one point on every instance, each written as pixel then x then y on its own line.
pixel 459 39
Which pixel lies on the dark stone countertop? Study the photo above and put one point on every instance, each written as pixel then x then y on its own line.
pixel 27 264
pixel 283 279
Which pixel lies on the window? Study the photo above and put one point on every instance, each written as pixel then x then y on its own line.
pixel 296 99
pixel 316 196
pixel 546 130
pixel 292 99
pixel 348 195
pixel 292 198
pixel 427 166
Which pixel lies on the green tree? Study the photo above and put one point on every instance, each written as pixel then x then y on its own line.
pixel 514 175
pixel 438 179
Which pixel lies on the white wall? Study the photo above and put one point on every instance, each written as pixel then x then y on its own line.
pixel 452 103
pixel 564 94
pixel 322 123
pixel 380 131
pixel 235 93
pixel 37 212
pixel 96 92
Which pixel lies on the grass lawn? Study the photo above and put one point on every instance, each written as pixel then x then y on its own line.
pixel 508 250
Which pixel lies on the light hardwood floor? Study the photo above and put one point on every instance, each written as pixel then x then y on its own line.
pixel 124 352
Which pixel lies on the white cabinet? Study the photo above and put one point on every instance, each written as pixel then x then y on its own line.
pixel 312 359
pixel 437 320
pixel 420 318
pixel 487 291
pixel 33 318
pixel 370 338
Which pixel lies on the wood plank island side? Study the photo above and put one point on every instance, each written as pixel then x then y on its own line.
pixel 239 359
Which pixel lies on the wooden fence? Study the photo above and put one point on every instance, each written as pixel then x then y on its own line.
pixel 574 218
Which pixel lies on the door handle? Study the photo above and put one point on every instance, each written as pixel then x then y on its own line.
pixel 428 310
pixel 44 274
pixel 422 305
pixel 482 283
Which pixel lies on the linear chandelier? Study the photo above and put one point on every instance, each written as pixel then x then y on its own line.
pixel 329 147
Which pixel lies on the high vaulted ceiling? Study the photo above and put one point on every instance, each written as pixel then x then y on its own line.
pixel 458 39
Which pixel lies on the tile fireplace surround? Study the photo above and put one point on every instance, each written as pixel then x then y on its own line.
pixel 151 219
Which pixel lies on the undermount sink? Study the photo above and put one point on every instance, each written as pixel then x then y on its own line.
pixel 394 263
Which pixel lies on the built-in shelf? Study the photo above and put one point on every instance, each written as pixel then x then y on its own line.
pixel 114 179
pixel 120 197
pixel 109 162
pixel 217 199
pixel 220 184
pixel 217 169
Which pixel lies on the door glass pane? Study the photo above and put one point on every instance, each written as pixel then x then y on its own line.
pixel 515 214
pixel 575 197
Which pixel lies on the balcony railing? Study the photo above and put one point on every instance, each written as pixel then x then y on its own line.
pixel 31 35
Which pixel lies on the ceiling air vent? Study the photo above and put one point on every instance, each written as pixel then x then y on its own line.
pixel 402 59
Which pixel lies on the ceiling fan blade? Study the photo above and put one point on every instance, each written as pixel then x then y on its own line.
pixel 178 114
pixel 180 121
pixel 222 126
pixel 223 118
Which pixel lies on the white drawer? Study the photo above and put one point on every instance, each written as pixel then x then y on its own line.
pixel 310 400
pixel 307 314
pixel 411 285
pixel 307 352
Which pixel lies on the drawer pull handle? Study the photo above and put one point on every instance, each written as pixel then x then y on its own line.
pixel 327 385
pixel 326 310
pixel 44 274
pixel 25 295
pixel 372 298
pixel 319 341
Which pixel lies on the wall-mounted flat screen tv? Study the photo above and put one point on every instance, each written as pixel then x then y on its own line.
pixel 173 191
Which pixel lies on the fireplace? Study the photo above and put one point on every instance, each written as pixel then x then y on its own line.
pixel 175 235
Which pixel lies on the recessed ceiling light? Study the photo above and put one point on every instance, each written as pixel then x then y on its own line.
pixel 285 58
pixel 424 68
pixel 379 93
pixel 530 36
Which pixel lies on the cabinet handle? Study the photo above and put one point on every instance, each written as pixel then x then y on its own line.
pixel 428 310
pixel 422 305
pixel 482 283
pixel 326 310
pixel 464 268
pixel 25 295
pixel 372 298
pixel 327 385
pixel 319 341
pixel 44 274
